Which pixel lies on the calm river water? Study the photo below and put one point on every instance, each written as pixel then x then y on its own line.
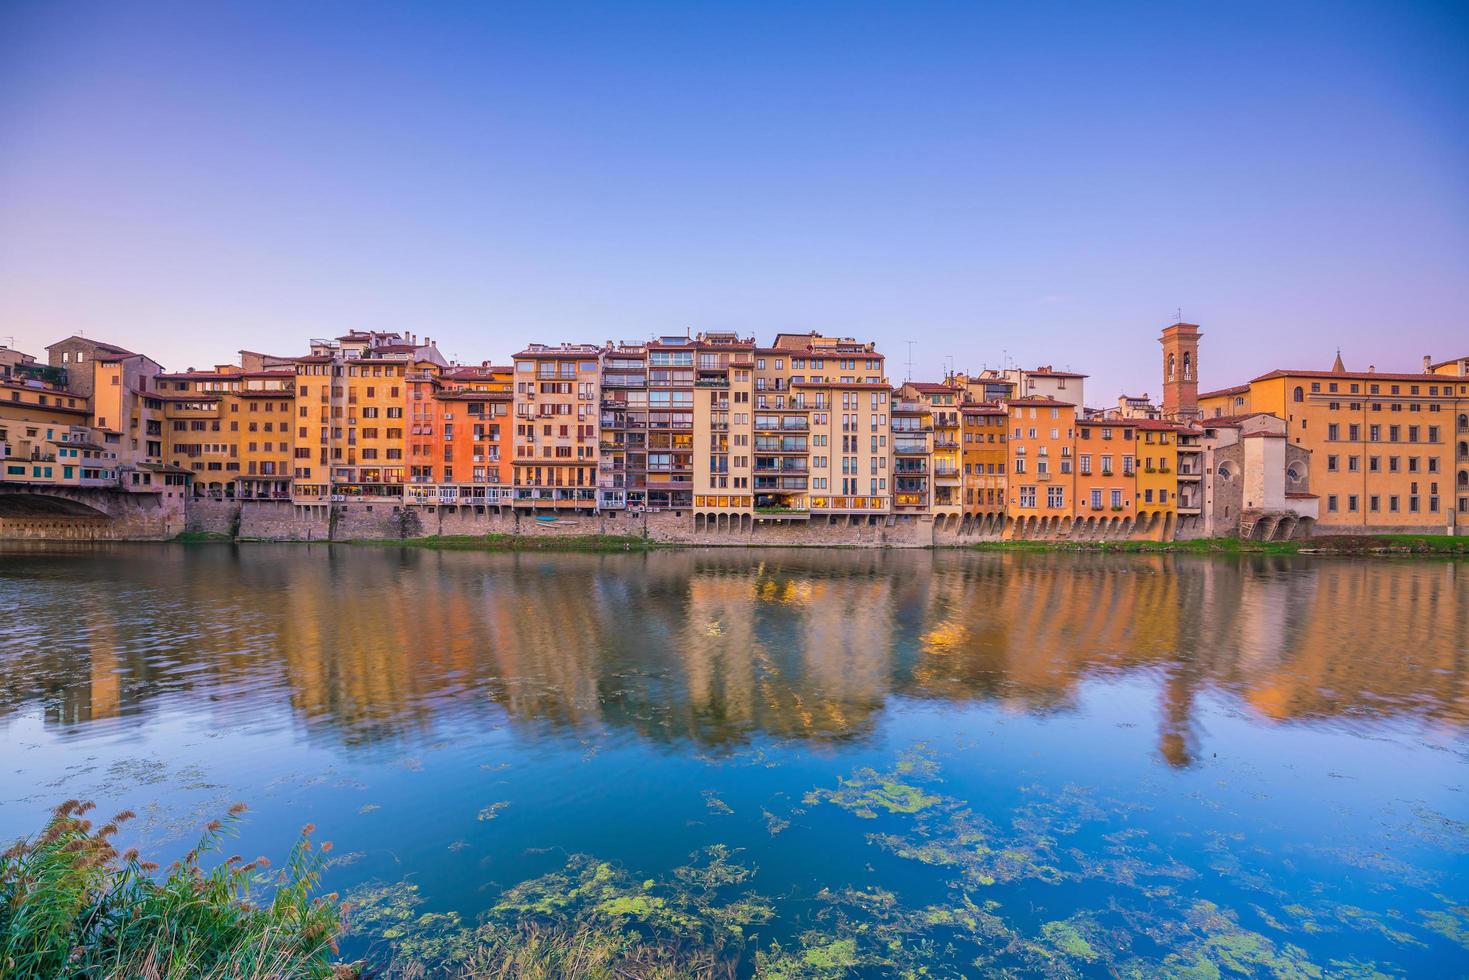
pixel 821 763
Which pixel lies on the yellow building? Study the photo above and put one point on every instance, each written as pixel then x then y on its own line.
pixel 557 422
pixel 724 399
pixel 1385 455
pixel 820 443
pixel 45 438
pixel 982 431
pixel 1458 371
pixel 350 438
pixel 234 430
pixel 1155 449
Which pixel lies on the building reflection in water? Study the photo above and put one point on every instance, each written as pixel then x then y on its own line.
pixel 371 645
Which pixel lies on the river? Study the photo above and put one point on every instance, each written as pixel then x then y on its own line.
pixel 814 763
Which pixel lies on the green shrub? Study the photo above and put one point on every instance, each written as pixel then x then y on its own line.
pixel 72 907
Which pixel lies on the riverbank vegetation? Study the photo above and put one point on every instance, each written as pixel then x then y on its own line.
pixel 1346 544
pixel 72 906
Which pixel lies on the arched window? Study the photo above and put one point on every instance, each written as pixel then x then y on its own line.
pixel 1226 472
pixel 1464 478
pixel 1172 363
pixel 1300 394
pixel 1293 472
pixel 1188 366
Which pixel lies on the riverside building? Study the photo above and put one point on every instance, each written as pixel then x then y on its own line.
pixel 723 433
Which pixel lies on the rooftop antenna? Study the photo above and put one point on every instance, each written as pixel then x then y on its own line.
pixel 1180 315
pixel 910 344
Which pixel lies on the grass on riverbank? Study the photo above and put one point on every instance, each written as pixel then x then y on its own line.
pixel 201 537
pixel 72 907
pixel 1205 546
pixel 1345 544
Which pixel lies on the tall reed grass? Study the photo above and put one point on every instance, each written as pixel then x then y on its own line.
pixel 72 907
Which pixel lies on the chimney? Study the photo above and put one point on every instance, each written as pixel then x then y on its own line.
pixel 1372 369
pixel 1427 364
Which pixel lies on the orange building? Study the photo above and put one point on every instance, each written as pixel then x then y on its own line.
pixel 982 430
pixel 459 433
pixel 1106 481
pixel 1042 478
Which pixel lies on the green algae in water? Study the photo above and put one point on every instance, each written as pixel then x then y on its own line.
pixel 1066 938
pixel 698 908
pixel 711 906
pixel 868 792
pixel 1452 924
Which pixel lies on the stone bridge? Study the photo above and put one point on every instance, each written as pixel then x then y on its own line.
pixel 57 513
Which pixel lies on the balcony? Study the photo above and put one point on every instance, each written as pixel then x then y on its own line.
pixel 768 445
pixel 712 383
pixel 910 449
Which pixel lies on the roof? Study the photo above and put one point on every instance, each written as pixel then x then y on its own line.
pixel 1049 372
pixel 931 387
pixel 1233 421
pixel 576 354
pixel 200 375
pixel 99 345
pixel 1236 390
pixel 1039 402
pixel 864 385
pixel 477 371
pixel 1302 496
pixel 1452 360
pixel 183 396
pixel 1264 435
pixel 1153 425
pixel 467 394
pixel 1354 376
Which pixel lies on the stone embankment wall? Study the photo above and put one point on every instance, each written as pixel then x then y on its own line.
pixel 72 514
pixel 282 520
pixel 285 521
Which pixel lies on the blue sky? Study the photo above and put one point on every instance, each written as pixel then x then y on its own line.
pixel 1047 180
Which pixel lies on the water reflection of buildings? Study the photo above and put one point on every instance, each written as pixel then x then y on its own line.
pixel 714 647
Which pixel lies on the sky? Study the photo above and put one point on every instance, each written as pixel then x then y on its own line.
pixel 1039 183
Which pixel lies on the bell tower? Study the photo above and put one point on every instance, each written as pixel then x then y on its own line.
pixel 1181 370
